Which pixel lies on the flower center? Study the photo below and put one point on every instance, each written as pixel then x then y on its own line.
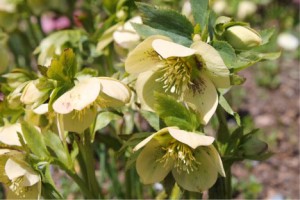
pixel 183 156
pixel 17 188
pixel 176 75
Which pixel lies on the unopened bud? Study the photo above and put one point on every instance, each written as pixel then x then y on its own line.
pixel 242 37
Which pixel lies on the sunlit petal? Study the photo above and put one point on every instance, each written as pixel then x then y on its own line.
pixel 191 139
pixel 168 49
pixel 9 136
pixel 143 57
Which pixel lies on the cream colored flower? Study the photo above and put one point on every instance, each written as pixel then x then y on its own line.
pixel 125 36
pixel 191 157
pixel 20 180
pixel 190 74
pixel 79 105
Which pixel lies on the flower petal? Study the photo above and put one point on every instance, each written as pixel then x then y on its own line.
pixel 146 85
pixel 215 157
pixel 117 93
pixel 214 64
pixel 200 179
pixel 78 122
pixel 143 57
pixel 32 192
pixel 191 139
pixel 79 97
pixel 168 49
pixel 149 138
pixel 9 136
pixel 204 102
pixel 13 169
pixel 148 166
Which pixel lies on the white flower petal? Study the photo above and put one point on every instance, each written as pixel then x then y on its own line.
pixel 215 157
pixel 9 136
pixel 204 102
pixel 148 166
pixel 42 109
pixel 200 179
pixel 191 139
pixel 13 169
pixel 214 64
pixel 143 57
pixel 168 49
pixel 118 91
pixel 80 96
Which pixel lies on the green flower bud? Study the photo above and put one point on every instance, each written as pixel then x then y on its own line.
pixel 252 146
pixel 242 37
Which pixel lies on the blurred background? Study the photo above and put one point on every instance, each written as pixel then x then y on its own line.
pixel 269 99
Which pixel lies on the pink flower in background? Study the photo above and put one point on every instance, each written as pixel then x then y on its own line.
pixel 51 23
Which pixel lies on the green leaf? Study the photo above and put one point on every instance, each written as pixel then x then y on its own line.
pixel 168 109
pixel 64 67
pixel 43 70
pixel 200 12
pixel 266 35
pixel 34 140
pixel 49 191
pixel 151 118
pixel 54 143
pixel 104 118
pixel 236 79
pixel 226 52
pixel 248 58
pixel 146 31
pixel 166 20
pixel 225 105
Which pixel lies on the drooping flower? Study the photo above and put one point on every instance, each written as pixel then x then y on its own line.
pixel 79 105
pixel 190 74
pixel 18 177
pixel 191 157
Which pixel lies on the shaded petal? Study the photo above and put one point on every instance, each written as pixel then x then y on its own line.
pixel 9 136
pixel 215 157
pixel 200 179
pixel 78 122
pixel 79 97
pixel 143 57
pixel 214 64
pixel 146 85
pixel 161 132
pixel 168 49
pixel 191 139
pixel 148 166
pixel 32 192
pixel 116 92
pixel 204 102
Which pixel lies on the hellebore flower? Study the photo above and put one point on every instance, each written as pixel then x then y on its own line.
pixel 20 180
pixel 189 74
pixel 79 105
pixel 191 157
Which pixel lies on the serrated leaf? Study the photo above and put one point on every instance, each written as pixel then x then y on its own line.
pixel 151 118
pixel 180 123
pixel 54 143
pixel 34 140
pixel 166 19
pixel 226 52
pixel 63 68
pixel 225 105
pixel 145 31
pixel 200 11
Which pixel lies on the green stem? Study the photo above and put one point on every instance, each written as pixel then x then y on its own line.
pixel 86 150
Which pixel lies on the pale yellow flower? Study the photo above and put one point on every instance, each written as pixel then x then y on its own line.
pixel 79 105
pixel 189 74
pixel 191 157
